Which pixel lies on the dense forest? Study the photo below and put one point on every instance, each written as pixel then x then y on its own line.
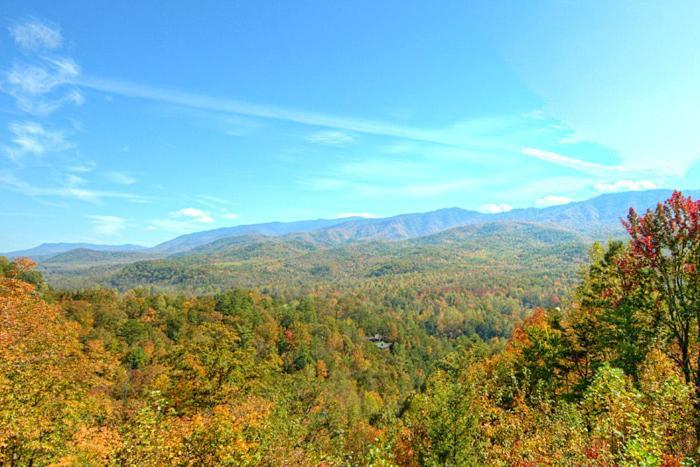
pixel 435 352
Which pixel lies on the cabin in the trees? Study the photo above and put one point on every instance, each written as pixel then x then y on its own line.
pixel 380 342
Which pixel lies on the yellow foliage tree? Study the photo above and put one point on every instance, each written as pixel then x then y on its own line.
pixel 51 387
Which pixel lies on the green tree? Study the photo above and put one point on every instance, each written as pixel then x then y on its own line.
pixel 446 416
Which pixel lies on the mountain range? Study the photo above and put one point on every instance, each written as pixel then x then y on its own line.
pixel 595 218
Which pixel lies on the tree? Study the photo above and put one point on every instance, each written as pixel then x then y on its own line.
pixel 52 388
pixel 665 248
pixel 445 418
pixel 212 368
pixel 615 317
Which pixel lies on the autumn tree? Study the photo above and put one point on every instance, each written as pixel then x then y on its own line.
pixel 665 248
pixel 445 418
pixel 53 389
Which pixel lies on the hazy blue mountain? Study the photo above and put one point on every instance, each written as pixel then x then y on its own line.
pixel 47 250
pixel 193 240
pixel 595 218
pixel 397 227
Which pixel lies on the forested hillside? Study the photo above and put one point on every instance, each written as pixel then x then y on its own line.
pixel 475 347
pixel 546 257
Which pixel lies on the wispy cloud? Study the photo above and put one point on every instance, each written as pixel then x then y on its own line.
pixel 495 208
pixel 625 185
pixel 210 200
pixel 30 138
pixel 82 168
pixel 566 161
pixel 33 34
pixel 553 200
pixel 69 192
pixel 331 138
pixel 41 83
pixel 42 87
pixel 121 178
pixel 229 216
pixel 73 180
pixel 108 226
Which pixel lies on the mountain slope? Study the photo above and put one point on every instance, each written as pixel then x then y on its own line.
pixel 257 261
pixel 87 255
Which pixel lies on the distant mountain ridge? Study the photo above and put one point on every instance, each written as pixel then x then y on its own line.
pixel 595 218
pixel 273 229
pixel 48 250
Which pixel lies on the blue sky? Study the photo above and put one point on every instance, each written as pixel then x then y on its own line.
pixel 134 122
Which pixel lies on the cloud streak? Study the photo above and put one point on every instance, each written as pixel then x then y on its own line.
pixel 69 192
pixel 121 178
pixel 566 161
pixel 331 138
pixel 202 102
pixel 444 137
